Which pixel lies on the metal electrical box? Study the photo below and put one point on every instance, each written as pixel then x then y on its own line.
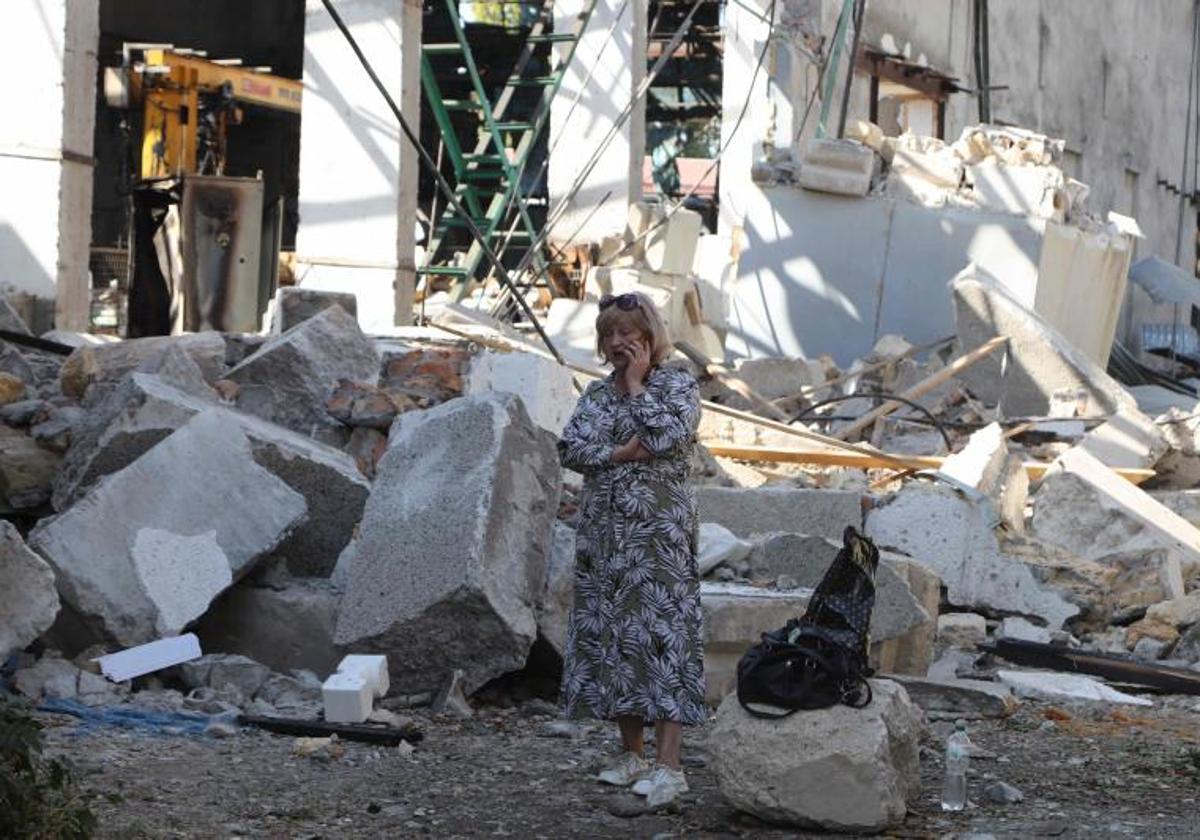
pixel 221 243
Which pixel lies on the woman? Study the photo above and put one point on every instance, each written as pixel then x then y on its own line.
pixel 634 647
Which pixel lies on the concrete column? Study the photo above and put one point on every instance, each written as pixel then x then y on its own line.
pixel 358 175
pixel 48 61
pixel 620 66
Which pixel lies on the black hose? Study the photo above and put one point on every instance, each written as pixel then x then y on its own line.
pixel 877 396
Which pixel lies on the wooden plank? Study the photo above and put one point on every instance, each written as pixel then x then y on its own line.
pixel 870 460
pixel 923 387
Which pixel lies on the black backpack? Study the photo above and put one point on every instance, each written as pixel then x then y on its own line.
pixel 820 659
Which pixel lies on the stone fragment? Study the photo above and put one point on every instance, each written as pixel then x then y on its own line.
pixel 57 431
pixel 1045 685
pixel 451 698
pixel 959 698
pixel 1150 649
pixel 363 406
pixel 953 536
pixel 200 479
pixel 428 376
pixel 546 387
pixel 294 304
pixel 554 606
pixel 288 380
pixel 12 389
pixel 450 557
pixel 50 676
pixel 766 510
pixel 1015 627
pixel 1085 507
pixel 105 364
pixel 29 603
pixel 1188 645
pixel 366 447
pixel 144 409
pixel 27 471
pixel 25 413
pixel 718 545
pixel 284 628
pixel 839 769
pixel 240 673
pixel 986 465
pixel 180 575
pixel 1179 612
pixel 11 320
pixel 1002 793
pixel 961 630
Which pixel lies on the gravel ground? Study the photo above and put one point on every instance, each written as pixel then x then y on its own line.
pixel 1097 772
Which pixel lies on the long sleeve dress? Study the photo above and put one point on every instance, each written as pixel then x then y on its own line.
pixel 634 642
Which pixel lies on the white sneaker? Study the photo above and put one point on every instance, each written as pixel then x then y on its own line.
pixel 662 787
pixel 627 769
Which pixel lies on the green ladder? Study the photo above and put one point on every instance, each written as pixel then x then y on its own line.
pixel 489 177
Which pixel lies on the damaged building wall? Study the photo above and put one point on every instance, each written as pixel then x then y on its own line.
pixel 46 155
pixel 358 185
pixel 1120 143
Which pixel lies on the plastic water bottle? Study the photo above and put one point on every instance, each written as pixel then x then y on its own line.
pixel 958 756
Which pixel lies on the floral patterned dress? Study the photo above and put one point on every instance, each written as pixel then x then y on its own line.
pixel 634 643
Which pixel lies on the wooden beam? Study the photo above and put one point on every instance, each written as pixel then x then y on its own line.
pixel 871 460
pixel 923 387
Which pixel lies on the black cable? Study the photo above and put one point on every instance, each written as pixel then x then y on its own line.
pixel 442 184
pixel 877 396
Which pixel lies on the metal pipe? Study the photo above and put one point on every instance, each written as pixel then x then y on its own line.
pixel 859 9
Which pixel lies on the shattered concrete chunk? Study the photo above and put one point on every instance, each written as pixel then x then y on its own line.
pixel 29 603
pixel 181 575
pixel 363 406
pixel 952 535
pixel 294 305
pixel 428 375
pixel 1015 627
pixel 986 465
pixel 27 471
pixel 718 545
pixel 202 478
pixel 959 698
pixel 105 364
pixel 144 409
pixel 450 558
pixel 554 606
pixel 288 380
pixel 961 630
pixel 1043 685
pixel 284 627
pixel 767 510
pixel 546 387
pixel 839 769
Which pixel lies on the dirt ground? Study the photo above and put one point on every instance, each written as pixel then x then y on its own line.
pixel 1099 772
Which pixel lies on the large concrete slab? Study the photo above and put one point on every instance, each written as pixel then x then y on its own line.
pixel 546 387
pixel 450 558
pixel 105 364
pixel 288 380
pixel 144 409
pixel 201 484
pixel 766 510
pixel 30 602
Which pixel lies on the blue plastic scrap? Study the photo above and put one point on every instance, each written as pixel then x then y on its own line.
pixel 127 717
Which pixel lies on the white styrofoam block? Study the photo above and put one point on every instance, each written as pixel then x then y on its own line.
pixel 153 656
pixel 371 667
pixel 348 698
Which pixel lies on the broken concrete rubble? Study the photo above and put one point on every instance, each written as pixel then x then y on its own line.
pixel 102 365
pixel 842 769
pixel 30 602
pixel 952 534
pixel 766 510
pixel 718 545
pixel 986 465
pixel 1042 685
pixel 293 305
pixel 143 409
pixel 289 378
pixel 961 630
pixel 554 605
pixel 544 386
pixel 200 484
pixel 959 698
pixel 27 470
pixel 447 577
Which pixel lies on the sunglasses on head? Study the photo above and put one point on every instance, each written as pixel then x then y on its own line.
pixel 625 302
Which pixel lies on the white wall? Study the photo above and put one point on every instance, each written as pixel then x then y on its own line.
pixel 48 59
pixel 619 60
pixel 357 173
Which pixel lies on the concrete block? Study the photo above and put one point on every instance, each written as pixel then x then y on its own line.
pixel 953 536
pixel 835 166
pixel 545 387
pixel 838 769
pixel 985 464
pixel 201 480
pixel 285 626
pixel 961 630
pixel 293 305
pixel 1088 509
pixel 718 545
pixel 940 169
pixel 30 603
pixel 558 596
pixel 451 555
pixel 371 667
pixel 766 510
pixel 779 377
pixel 1030 191
pixel 27 471
pixel 347 697
pixel 105 364
pixel 288 380
pixel 1015 627
pixel 144 409
pixel 959 698
pixel 671 248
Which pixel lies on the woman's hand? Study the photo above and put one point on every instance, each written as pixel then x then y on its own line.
pixel 631 450
pixel 639 364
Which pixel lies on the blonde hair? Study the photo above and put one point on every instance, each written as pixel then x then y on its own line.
pixel 645 318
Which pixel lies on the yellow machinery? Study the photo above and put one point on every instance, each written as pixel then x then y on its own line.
pixel 188 103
